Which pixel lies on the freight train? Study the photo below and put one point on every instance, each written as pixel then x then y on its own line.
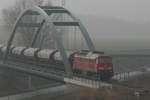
pixel 95 65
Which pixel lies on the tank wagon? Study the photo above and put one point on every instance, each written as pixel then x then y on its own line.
pixel 93 65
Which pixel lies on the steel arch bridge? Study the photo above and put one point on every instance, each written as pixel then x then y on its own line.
pixel 46 12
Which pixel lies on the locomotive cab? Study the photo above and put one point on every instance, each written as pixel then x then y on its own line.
pixel 95 65
pixel 105 67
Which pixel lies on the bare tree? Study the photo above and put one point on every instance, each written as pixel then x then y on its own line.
pixel 10 15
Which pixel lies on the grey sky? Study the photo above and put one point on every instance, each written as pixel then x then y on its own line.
pixel 123 9
pixel 133 10
pixel 6 3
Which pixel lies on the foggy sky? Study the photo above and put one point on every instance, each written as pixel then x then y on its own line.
pixel 134 10
pixel 123 9
pixel 136 36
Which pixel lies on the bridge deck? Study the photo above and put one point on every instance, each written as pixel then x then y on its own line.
pixel 53 74
pixel 38 71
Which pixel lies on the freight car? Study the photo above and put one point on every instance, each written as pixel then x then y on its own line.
pixel 95 65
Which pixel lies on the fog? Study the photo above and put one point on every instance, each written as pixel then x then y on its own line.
pixel 116 27
pixel 134 10
pixel 113 24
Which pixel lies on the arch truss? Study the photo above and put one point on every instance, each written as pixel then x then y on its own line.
pixel 46 12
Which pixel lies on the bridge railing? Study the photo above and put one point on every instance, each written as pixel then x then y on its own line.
pixel 127 75
pixel 87 82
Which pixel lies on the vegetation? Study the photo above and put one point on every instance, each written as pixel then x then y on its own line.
pixel 11 14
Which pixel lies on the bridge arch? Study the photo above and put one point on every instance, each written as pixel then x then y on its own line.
pixel 45 11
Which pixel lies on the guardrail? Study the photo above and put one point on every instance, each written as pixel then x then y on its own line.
pixel 87 83
pixel 127 75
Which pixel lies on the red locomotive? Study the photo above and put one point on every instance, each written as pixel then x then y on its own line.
pixel 95 65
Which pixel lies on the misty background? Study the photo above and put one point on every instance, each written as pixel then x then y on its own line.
pixel 113 25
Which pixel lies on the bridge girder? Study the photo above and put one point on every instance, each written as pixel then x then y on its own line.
pixel 45 12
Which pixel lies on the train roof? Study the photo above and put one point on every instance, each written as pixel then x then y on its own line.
pixel 30 51
pixel 87 51
pixel 18 50
pixel 90 55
